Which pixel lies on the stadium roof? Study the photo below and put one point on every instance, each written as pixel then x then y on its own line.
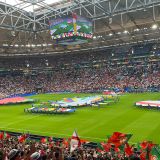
pixel 25 28
pixel 28 7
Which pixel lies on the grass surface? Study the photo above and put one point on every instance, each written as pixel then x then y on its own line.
pixel 91 123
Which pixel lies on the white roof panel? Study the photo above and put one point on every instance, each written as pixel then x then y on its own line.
pixel 26 4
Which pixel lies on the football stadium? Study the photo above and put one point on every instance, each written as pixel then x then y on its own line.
pixel 79 79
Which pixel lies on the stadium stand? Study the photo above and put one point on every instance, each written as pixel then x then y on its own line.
pixel 78 73
pixel 18 146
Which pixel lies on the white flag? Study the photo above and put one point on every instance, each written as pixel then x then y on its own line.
pixel 75 142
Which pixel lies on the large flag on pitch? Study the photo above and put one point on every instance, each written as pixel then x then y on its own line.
pixel 75 142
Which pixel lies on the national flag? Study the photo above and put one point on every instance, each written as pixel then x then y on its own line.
pixel 155 153
pixel 100 147
pixel 118 138
pixel 146 147
pixel 138 146
pixel 22 138
pixel 75 142
pixel 106 146
pixel 44 140
pixel 1 135
pixel 128 150
pixel 6 135
pixel 117 150
pixel 143 155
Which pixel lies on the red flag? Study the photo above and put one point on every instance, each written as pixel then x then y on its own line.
pixel 106 146
pixel 1 135
pixel 143 156
pixel 147 145
pixel 128 150
pixel 117 138
pixel 144 145
pixel 43 140
pixel 22 138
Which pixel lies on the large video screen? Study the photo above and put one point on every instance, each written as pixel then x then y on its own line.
pixel 63 28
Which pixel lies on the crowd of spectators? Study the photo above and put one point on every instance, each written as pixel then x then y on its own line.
pixel 12 149
pixel 80 73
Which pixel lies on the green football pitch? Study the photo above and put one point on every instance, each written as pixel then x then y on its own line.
pixel 91 123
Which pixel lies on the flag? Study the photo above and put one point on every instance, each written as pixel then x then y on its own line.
pixel 6 135
pixel 75 142
pixel 106 146
pixel 118 138
pixel 146 147
pixel 22 138
pixel 155 153
pixel 99 147
pixel 143 155
pixel 44 140
pixel 74 22
pixel 128 150
pixel 1 135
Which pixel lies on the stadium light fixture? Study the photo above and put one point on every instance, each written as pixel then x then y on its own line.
pixel 125 31
pixel 132 51
pixel 136 30
pixel 33 45
pixel 154 26
pixel 28 45
pixel 5 45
